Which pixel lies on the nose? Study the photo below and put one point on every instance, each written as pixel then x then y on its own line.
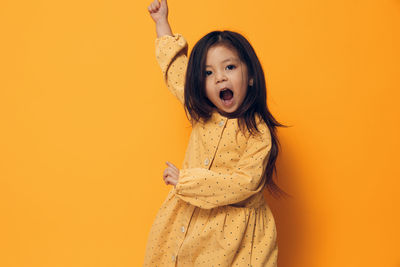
pixel 220 77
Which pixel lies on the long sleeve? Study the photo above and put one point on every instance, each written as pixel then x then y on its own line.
pixel 209 189
pixel 171 54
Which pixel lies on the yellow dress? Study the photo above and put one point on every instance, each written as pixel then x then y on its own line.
pixel 216 215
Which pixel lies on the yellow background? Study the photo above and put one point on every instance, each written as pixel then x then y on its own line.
pixel 87 125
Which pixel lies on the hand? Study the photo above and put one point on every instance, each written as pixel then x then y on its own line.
pixel 171 174
pixel 158 11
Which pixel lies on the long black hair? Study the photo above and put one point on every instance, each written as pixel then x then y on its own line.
pixel 255 101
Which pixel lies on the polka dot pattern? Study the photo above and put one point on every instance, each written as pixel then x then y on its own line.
pixel 216 215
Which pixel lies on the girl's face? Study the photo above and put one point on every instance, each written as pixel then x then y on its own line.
pixel 226 78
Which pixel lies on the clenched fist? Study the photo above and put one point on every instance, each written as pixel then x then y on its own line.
pixel 158 11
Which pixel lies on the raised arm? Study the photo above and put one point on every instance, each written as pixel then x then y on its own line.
pixel 159 13
pixel 171 50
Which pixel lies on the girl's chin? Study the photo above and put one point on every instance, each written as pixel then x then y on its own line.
pixel 228 107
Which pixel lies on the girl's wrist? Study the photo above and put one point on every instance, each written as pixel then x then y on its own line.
pixel 162 22
pixel 163 28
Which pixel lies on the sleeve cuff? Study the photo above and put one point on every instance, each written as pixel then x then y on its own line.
pixel 177 37
pixel 179 183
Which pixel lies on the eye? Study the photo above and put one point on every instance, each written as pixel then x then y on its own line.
pixel 208 72
pixel 231 67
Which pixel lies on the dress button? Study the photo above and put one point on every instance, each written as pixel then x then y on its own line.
pixel 183 229
pixel 206 161
pixel 221 123
pixel 173 258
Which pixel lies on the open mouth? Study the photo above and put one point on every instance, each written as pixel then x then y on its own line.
pixel 226 94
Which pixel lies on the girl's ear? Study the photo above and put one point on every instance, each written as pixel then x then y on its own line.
pixel 251 82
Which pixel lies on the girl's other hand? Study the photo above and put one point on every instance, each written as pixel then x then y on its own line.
pixel 171 174
pixel 158 11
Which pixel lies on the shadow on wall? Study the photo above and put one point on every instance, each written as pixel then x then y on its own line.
pixel 288 212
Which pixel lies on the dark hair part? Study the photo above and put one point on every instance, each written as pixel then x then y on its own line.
pixel 198 106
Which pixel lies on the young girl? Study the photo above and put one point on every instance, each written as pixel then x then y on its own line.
pixel 216 214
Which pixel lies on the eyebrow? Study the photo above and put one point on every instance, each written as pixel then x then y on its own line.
pixel 228 59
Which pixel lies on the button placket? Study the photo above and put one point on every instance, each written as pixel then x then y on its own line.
pixel 183 229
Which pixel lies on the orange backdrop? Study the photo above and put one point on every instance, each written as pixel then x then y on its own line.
pixel 87 125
